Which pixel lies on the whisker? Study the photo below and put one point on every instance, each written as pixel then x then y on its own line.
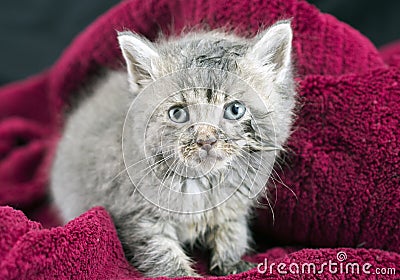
pixel 144 159
pixel 157 163
pixel 130 166
pixel 148 172
pixel 283 184
pixel 167 173
pixel 256 170
pixel 264 190
pixel 279 180
pixel 170 187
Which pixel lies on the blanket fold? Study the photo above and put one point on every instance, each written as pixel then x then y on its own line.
pixel 94 252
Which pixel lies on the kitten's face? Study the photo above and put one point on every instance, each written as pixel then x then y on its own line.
pixel 209 122
pixel 205 129
pixel 230 97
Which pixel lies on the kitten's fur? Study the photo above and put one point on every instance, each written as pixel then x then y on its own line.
pixel 89 169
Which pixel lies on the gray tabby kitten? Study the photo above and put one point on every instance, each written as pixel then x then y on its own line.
pixel 179 147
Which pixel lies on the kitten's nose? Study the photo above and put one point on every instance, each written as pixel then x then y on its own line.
pixel 206 144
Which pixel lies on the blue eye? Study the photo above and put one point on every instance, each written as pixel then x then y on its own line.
pixel 234 110
pixel 178 114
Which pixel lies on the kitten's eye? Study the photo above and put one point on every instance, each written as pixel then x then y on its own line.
pixel 178 114
pixel 234 110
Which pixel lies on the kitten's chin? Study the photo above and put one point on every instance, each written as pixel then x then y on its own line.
pixel 208 162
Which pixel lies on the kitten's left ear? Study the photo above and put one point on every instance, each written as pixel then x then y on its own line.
pixel 139 55
pixel 273 48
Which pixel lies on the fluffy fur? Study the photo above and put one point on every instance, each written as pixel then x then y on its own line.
pixel 168 183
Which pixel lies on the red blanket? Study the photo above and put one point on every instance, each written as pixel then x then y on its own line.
pixel 343 163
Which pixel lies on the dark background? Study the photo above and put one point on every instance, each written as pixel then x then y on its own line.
pixel 34 33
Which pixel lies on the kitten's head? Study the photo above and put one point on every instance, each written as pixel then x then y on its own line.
pixel 224 98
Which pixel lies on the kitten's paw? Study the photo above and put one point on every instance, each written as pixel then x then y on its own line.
pixel 183 272
pixel 241 266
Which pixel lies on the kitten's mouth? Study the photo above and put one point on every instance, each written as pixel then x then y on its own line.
pixel 208 160
pixel 205 155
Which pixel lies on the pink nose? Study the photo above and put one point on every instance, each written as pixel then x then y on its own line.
pixel 206 144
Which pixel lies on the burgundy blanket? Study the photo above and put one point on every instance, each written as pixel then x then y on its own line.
pixel 343 161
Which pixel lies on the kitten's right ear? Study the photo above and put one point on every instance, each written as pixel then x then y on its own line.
pixel 139 55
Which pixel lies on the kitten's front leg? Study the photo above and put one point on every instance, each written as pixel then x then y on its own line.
pixel 229 242
pixel 154 249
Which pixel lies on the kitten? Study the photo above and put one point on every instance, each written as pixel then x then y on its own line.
pixel 178 147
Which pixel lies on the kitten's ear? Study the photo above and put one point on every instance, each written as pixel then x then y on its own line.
pixel 273 48
pixel 139 54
